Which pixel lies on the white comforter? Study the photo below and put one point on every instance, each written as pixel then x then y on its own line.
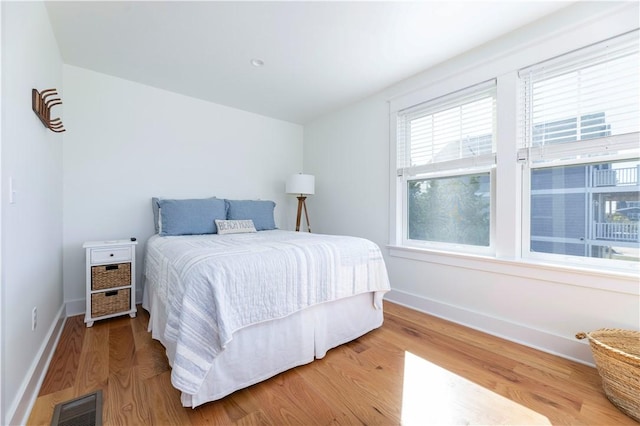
pixel 215 285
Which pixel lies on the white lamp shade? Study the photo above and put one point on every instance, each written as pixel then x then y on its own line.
pixel 301 184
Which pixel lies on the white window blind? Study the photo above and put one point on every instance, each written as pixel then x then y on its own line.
pixel 450 132
pixel 586 101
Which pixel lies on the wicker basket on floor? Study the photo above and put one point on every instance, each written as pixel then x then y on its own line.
pixel 617 356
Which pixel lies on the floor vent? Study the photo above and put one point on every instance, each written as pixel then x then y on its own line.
pixel 82 411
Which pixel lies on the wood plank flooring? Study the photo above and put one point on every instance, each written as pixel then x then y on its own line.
pixel 415 369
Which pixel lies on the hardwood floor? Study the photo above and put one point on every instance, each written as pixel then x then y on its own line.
pixel 415 369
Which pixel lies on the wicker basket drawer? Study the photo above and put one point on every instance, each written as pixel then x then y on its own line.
pixel 110 276
pixel 110 302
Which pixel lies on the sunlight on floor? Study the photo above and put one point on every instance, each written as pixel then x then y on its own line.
pixel 433 395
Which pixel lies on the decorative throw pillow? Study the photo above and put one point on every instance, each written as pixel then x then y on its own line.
pixel 260 211
pixel 235 226
pixel 191 217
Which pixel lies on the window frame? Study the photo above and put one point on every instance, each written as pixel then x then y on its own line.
pixel 451 168
pixel 581 152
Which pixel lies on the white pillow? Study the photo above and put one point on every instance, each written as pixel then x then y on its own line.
pixel 235 226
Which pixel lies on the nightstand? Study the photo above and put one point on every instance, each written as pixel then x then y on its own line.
pixel 110 279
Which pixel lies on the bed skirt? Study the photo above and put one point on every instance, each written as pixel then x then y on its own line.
pixel 261 351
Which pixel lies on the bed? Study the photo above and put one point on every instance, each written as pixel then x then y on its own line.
pixel 235 309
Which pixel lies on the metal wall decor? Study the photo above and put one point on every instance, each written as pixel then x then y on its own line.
pixel 41 102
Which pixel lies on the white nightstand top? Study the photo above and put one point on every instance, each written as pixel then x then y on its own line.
pixel 109 243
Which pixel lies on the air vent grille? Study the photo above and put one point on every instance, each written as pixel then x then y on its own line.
pixel 82 411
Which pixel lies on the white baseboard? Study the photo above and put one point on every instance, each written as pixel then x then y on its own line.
pixel 76 307
pixel 565 347
pixel 18 413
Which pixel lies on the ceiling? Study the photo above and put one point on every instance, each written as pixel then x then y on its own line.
pixel 318 56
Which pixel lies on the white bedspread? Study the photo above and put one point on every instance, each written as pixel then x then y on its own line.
pixel 215 285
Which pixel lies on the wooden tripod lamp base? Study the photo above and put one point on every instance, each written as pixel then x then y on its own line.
pixel 302 205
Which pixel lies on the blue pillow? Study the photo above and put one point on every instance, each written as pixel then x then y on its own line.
pixel 190 217
pixel 261 212
pixel 155 206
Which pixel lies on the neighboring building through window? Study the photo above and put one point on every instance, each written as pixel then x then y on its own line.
pixel 586 210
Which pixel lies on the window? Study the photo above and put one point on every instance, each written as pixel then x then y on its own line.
pixel 556 165
pixel 453 209
pixel 580 126
pixel 445 156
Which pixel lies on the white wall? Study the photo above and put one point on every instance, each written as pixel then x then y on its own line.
pixel 32 226
pixel 127 142
pixel 349 152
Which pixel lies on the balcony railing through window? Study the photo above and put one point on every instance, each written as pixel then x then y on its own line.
pixel 617 232
pixel 615 177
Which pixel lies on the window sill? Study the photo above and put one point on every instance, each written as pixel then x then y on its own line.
pixel 581 276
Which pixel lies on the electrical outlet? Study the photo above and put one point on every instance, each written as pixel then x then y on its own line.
pixel 34 318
